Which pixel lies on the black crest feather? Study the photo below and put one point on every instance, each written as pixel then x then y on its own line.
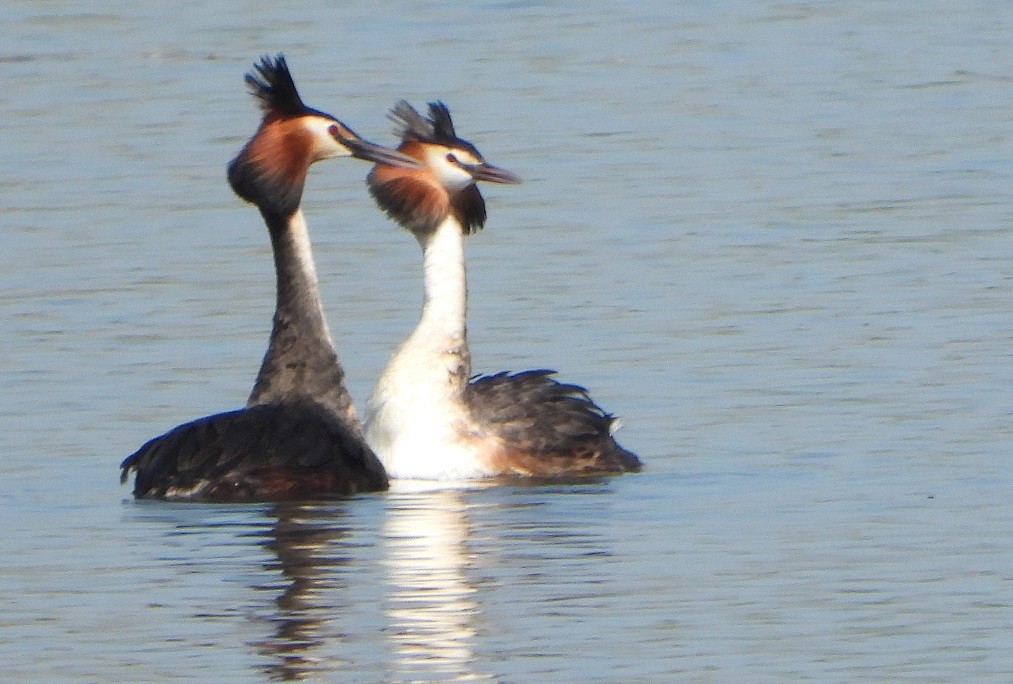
pixel 274 88
pixel 443 125
pixel 437 128
pixel 409 124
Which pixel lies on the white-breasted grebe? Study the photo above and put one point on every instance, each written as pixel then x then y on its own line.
pixel 299 435
pixel 428 418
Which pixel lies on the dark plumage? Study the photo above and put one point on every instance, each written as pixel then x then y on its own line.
pixel 549 421
pixel 438 129
pixel 274 88
pixel 279 194
pixel 299 436
pixel 269 452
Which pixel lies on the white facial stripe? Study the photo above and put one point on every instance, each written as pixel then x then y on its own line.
pixel 325 144
pixel 450 175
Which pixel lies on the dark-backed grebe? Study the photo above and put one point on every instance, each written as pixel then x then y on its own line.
pixel 299 435
pixel 428 418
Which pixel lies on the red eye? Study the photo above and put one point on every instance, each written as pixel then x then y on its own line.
pixel 451 158
pixel 333 130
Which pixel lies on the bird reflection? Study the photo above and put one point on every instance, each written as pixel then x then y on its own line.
pixel 302 540
pixel 431 608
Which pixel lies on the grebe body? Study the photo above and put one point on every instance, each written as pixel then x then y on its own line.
pixel 428 418
pixel 299 435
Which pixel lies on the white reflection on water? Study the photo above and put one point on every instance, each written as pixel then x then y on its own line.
pixel 431 606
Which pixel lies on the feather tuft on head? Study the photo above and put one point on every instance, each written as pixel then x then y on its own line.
pixel 271 83
pixel 437 128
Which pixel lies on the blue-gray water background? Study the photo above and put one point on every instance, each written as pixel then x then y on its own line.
pixel 774 237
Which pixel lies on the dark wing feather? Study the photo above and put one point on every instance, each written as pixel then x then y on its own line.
pixel 556 423
pixel 266 452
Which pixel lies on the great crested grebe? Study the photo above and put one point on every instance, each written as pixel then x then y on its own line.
pixel 299 435
pixel 426 419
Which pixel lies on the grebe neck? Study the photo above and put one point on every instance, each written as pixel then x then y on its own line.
pixel 438 347
pixel 445 309
pixel 418 407
pixel 301 361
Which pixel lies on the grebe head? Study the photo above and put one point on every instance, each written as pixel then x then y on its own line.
pixel 421 199
pixel 270 171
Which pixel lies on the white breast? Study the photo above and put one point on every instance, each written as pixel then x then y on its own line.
pixel 416 422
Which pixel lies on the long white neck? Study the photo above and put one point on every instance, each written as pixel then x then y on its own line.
pixel 445 309
pixel 418 402
pixel 437 350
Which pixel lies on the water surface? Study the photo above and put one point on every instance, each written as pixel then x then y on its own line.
pixel 773 237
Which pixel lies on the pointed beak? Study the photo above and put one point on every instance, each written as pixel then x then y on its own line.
pixel 363 149
pixel 492 174
pixel 371 152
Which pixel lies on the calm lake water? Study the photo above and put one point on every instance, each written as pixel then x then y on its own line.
pixel 774 237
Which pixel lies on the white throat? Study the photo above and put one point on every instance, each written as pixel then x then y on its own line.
pixel 417 415
pixel 445 310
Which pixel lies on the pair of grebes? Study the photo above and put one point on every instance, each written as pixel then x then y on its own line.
pixel 299 436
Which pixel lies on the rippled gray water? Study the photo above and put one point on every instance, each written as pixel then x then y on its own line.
pixel 774 237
